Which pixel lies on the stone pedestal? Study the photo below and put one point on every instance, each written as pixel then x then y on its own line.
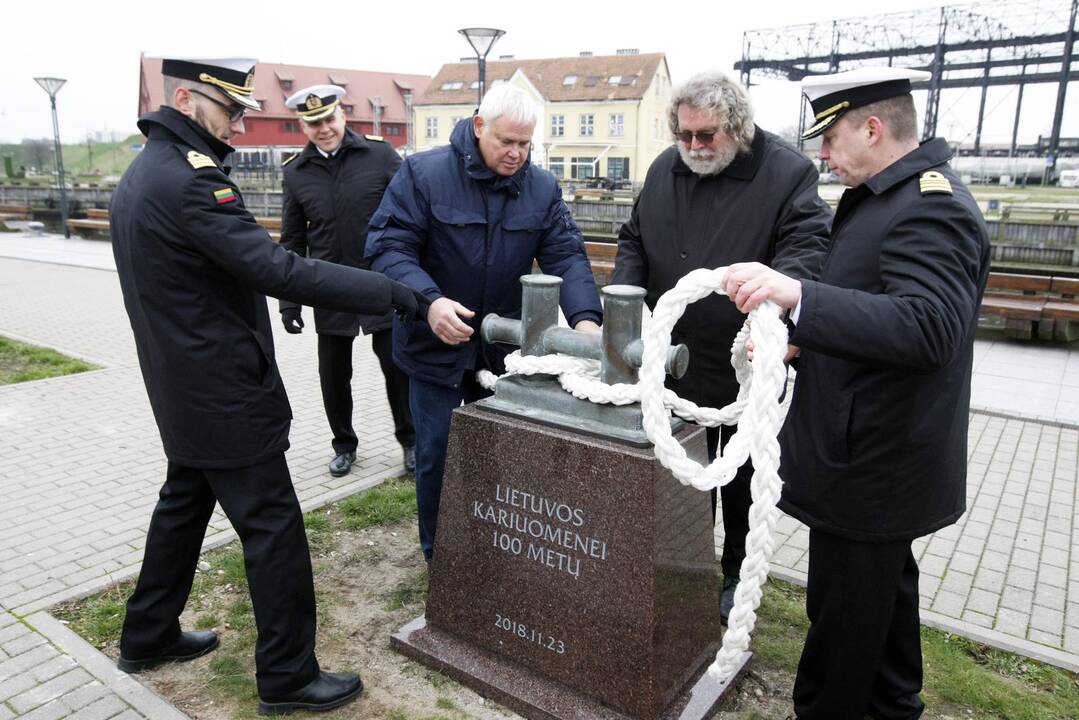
pixel 573 576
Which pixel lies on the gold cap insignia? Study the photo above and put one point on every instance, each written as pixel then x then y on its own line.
pixel 934 182
pixel 198 160
pixel 314 102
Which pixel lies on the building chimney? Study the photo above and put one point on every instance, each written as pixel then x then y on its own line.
pixel 586 53
pixel 627 51
pixel 505 57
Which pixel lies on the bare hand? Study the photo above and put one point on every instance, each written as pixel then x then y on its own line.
pixel 588 326
pixel 444 317
pixel 750 284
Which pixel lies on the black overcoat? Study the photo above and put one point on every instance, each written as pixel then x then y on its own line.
pixel 764 206
pixel 874 447
pixel 325 210
pixel 194 268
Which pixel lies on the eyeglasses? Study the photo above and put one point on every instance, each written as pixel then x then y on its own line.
pixel 704 138
pixel 236 112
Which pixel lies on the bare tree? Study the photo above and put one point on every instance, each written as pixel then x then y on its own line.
pixel 38 153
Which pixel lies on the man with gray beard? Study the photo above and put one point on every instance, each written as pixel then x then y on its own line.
pixel 725 192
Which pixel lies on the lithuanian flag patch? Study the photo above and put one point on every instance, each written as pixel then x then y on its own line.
pixel 224 195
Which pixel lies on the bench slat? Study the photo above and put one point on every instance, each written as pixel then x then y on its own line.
pixel 1013 307
pixel 1016 281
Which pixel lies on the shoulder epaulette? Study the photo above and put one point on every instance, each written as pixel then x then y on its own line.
pixel 198 160
pixel 376 138
pixel 290 158
pixel 934 182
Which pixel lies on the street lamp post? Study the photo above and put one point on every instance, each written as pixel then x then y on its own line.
pixel 52 86
pixel 481 40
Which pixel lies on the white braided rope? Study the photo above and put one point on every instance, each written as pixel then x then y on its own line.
pixel 756 410
pixel 758 397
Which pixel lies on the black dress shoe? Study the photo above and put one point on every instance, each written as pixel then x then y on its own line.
pixel 726 598
pixel 410 458
pixel 342 464
pixel 189 646
pixel 327 691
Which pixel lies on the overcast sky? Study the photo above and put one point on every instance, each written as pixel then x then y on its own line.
pixel 95 45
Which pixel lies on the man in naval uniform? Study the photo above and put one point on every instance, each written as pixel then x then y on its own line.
pixel 331 190
pixel 194 269
pixel 874 448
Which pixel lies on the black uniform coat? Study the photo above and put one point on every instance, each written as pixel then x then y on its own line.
pixel 875 444
pixel 763 207
pixel 193 266
pixel 327 205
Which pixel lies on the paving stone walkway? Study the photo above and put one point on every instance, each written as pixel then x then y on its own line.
pixel 81 463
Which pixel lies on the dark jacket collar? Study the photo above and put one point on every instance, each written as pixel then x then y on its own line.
pixel 463 141
pixel 351 141
pixel 186 130
pixel 743 167
pixel 929 154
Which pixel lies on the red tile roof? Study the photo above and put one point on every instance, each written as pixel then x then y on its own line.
pixel 549 74
pixel 269 90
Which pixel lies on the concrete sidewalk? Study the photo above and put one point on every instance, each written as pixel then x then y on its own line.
pixel 81 464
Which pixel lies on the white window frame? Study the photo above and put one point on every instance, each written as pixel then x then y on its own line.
pixel 616 125
pixel 588 124
pixel 558 126
pixel 431 126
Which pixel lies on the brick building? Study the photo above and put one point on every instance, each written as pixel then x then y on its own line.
pixel 377 103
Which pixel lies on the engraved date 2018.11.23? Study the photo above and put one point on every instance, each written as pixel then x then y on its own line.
pixel 530 634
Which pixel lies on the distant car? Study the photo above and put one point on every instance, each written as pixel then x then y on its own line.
pixel 1069 178
pixel 828 177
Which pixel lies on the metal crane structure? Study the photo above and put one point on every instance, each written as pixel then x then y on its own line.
pixel 976 45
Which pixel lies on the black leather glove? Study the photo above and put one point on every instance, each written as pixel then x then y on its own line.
pixel 290 318
pixel 408 303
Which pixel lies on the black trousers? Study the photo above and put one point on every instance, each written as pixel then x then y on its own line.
pixel 863 653
pixel 736 501
pixel 261 504
pixel 335 376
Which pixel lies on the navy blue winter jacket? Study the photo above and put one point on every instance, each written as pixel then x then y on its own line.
pixel 449 226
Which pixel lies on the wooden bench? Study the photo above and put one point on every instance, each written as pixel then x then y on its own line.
pixel 601 255
pixel 97 213
pixel 1033 305
pixel 89 225
pixel 15 212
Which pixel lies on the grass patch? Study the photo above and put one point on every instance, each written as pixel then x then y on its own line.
pixel 386 504
pixel 410 592
pixel 20 363
pixel 319 529
pixel 98 619
pixel 207 621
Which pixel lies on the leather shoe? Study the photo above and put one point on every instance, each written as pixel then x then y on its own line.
pixel 726 598
pixel 327 691
pixel 410 458
pixel 188 646
pixel 342 464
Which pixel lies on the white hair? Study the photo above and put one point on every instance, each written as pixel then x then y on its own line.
pixel 510 101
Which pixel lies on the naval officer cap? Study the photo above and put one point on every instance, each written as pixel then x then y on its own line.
pixel 316 102
pixel 832 95
pixel 233 77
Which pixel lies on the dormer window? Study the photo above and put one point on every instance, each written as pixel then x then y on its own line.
pixel 569 80
pixel 614 80
pixel 453 85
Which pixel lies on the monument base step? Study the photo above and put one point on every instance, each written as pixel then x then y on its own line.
pixel 529 693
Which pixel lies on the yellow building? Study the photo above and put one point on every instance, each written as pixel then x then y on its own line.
pixel 603 116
